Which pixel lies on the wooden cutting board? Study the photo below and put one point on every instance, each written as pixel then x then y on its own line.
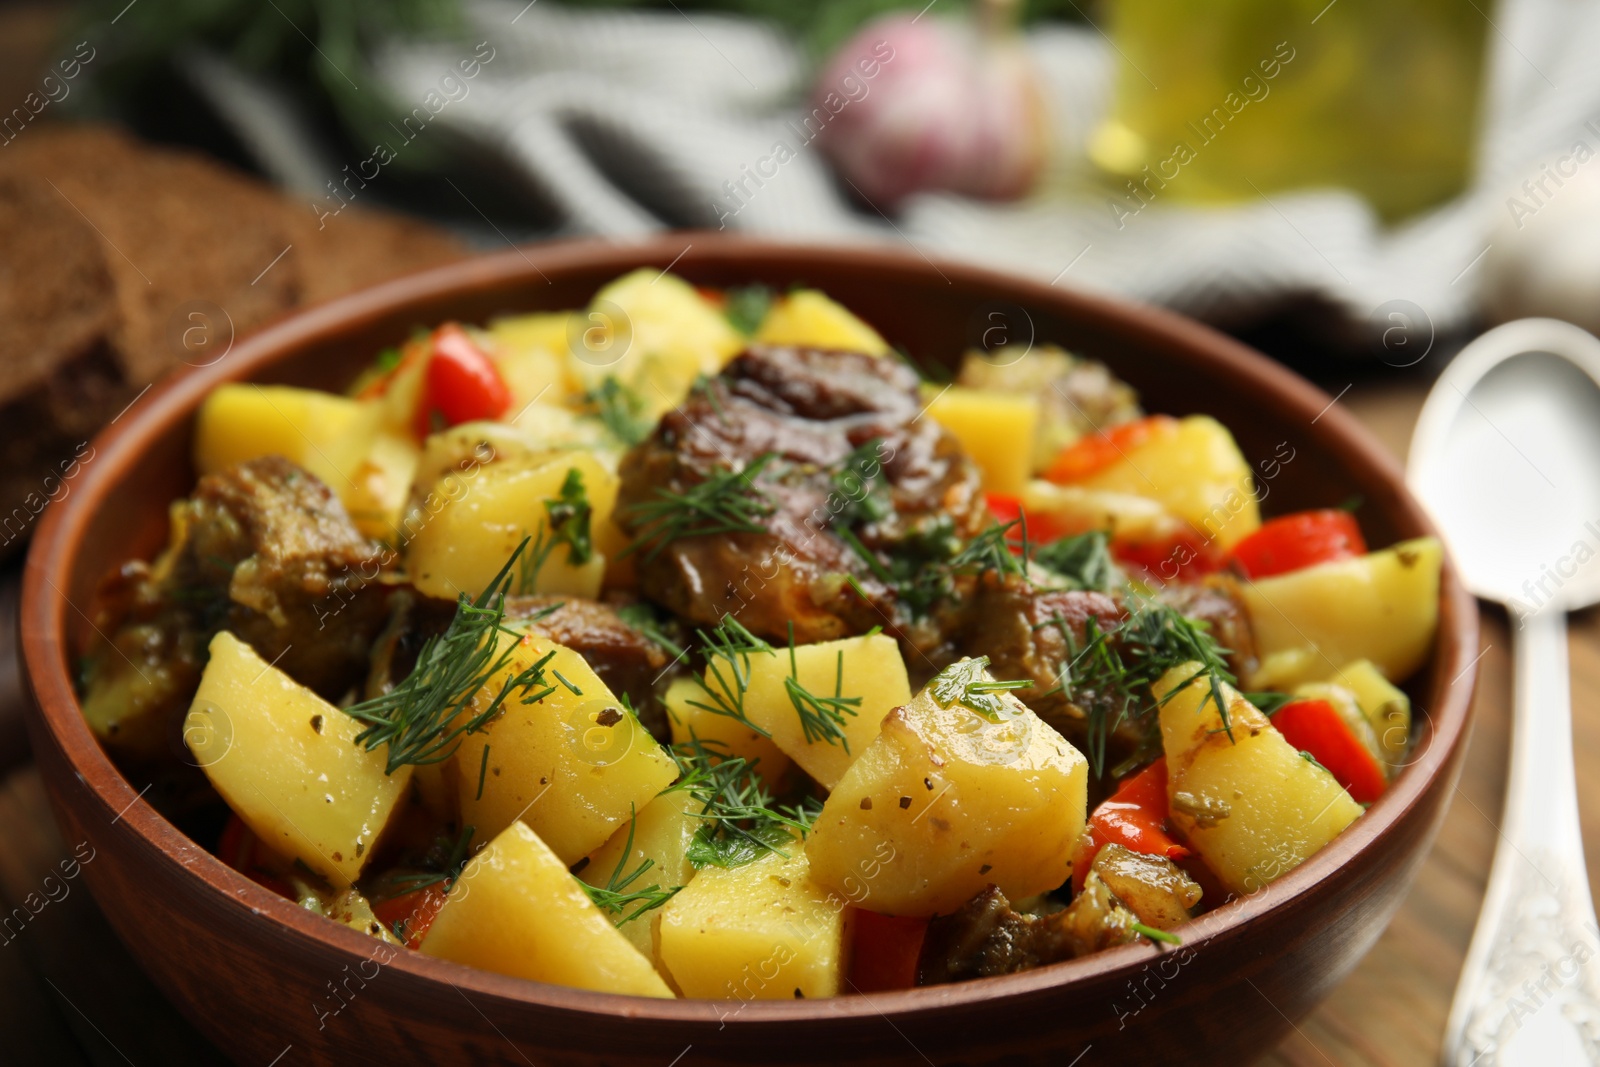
pixel 70 994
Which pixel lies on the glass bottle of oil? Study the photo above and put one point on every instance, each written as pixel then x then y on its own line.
pixel 1229 99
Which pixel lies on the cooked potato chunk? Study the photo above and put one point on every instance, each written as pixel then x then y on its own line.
pixel 573 765
pixel 811 319
pixel 287 763
pixel 1252 806
pixel 687 703
pixel 869 670
pixel 472 528
pixel 963 788
pixel 661 834
pixel 515 910
pixel 1196 472
pixel 1387 708
pixel 763 931
pixel 1382 607
pixel 997 430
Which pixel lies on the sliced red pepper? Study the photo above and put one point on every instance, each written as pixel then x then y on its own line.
pixel 460 384
pixel 1042 528
pixel 886 952
pixel 1180 557
pixel 1315 726
pixel 1093 453
pixel 1135 817
pixel 417 909
pixel 241 850
pixel 1300 540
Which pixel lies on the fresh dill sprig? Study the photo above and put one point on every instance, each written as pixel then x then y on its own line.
pixel 642 617
pixel 821 717
pixel 616 895
pixel 1083 561
pixel 568 522
pixel 446 867
pixel 965 684
pixel 991 551
pixel 727 651
pixel 746 307
pixel 741 823
pixel 1109 673
pixel 727 501
pixel 620 410
pixel 1154 934
pixel 858 480
pixel 423 718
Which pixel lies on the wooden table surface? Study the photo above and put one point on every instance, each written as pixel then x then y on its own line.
pixel 69 994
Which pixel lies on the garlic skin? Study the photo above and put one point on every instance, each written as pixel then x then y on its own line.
pixel 956 106
pixel 1544 250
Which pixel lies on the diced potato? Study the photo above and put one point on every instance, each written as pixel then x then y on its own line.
pixel 1251 806
pixel 950 799
pixel 996 429
pixel 686 701
pixel 573 766
pixel 1387 708
pixel 869 669
pixel 811 319
pixel 1382 607
pixel 1124 516
pixel 552 427
pixel 287 763
pixel 1196 472
pixel 319 431
pixel 515 910
pixel 530 351
pixel 763 931
pixel 381 484
pixel 471 526
pixel 458 453
pixel 352 909
pixel 653 332
pixel 661 832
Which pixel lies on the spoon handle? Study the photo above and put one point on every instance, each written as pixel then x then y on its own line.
pixel 1529 991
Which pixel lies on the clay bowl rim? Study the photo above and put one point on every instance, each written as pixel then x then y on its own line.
pixel 63 527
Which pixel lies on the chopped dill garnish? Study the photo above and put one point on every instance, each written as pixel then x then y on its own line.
pixel 858 480
pixel 574 690
pixel 569 514
pixel 821 717
pixel 990 551
pixel 620 411
pixel 964 683
pixel 1309 758
pixel 727 501
pixel 727 651
pixel 1155 935
pixel 616 895
pixel 443 864
pixel 1083 561
pixel 1268 701
pixel 741 823
pixel 641 616
pixel 423 718
pixel 483 771
pixel 746 307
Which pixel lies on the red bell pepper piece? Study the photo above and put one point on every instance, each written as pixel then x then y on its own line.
pixel 241 850
pixel 417 909
pixel 1090 454
pixel 1181 557
pixel 1300 540
pixel 1042 529
pixel 1315 726
pixel 1135 817
pixel 460 383
pixel 886 952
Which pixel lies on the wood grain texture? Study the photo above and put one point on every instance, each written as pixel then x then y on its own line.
pixel 1394 1018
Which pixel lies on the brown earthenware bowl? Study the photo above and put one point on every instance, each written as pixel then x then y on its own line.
pixel 255 973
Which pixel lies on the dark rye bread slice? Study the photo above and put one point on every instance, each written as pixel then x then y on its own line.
pixel 179 230
pixel 56 299
pixel 356 248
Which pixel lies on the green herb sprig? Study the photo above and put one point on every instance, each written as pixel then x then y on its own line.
pixel 822 717
pixel 617 895
pixel 964 683
pixel 620 410
pixel 741 822
pixel 727 501
pixel 423 718
pixel 727 651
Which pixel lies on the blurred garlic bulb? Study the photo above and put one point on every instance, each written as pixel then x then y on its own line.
pixel 920 104
pixel 1544 253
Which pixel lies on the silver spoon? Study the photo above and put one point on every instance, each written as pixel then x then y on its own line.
pixel 1506 457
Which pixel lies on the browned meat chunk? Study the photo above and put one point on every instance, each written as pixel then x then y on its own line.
pixel 264 550
pixel 836 466
pixel 1215 601
pixel 988 937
